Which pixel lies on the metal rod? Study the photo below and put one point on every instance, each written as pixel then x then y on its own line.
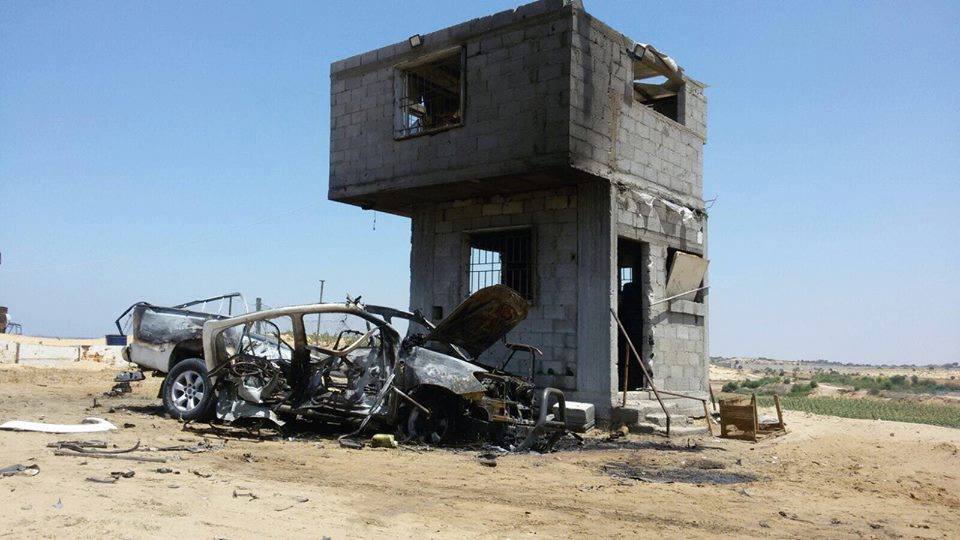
pixel 643 367
pixel 683 396
pixel 626 374
pixel 110 456
pixel 411 400
pixel 322 281
pixel 706 416
pixel 677 295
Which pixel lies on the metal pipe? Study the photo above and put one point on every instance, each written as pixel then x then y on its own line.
pixel 676 296
pixel 645 372
pixel 542 423
pixel 411 400
pixel 322 281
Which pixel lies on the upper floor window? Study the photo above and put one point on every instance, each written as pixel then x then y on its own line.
pixel 429 94
pixel 657 81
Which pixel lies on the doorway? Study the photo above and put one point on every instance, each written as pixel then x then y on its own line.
pixel 631 281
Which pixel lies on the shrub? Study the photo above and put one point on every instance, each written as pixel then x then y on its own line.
pixel 731 386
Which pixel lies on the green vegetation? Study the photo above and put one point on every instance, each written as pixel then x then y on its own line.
pixel 770 385
pixel 896 383
pixel 873 409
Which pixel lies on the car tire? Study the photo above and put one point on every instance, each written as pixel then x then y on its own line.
pixel 187 391
pixel 440 428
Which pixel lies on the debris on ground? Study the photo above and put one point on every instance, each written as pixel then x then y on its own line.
pixel 383 440
pixel 352 444
pixel 78 443
pixel 87 425
pixel 67 448
pixel 488 459
pixel 123 381
pixel 251 495
pixel 20 470
pixel 202 446
pixel 118 390
pixel 103 480
pixel 113 478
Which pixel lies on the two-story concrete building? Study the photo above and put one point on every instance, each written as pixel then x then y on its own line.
pixel 540 148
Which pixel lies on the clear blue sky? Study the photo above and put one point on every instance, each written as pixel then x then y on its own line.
pixel 164 151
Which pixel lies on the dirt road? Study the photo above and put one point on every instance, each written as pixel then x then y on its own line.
pixel 827 477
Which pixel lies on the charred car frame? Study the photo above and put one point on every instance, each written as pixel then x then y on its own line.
pixel 428 386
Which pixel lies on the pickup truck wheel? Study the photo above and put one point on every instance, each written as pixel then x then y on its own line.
pixel 188 392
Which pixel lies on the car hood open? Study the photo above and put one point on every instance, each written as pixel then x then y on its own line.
pixel 482 319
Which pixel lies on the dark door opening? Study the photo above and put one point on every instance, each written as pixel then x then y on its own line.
pixel 630 284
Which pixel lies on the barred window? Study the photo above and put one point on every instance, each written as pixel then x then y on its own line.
pixel 502 257
pixel 429 94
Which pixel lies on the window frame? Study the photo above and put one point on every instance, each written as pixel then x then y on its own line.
pixel 671 257
pixel 400 72
pixel 531 294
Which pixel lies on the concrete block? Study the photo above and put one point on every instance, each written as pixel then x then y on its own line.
pixel 39 354
pixel 688 307
pixel 660 419
pixel 105 354
pixel 580 417
pixel 8 352
pixel 648 428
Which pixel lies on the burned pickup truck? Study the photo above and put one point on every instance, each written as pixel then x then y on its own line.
pixel 159 337
pixel 429 386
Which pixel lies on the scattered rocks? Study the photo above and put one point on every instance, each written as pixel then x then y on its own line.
pixel 487 459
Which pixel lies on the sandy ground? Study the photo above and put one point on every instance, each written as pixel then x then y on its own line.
pixel 828 477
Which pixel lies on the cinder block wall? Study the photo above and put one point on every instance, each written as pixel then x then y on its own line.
pixel 679 328
pixel 515 112
pixel 440 258
pixel 614 136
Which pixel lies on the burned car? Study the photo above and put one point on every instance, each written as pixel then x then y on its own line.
pixel 429 386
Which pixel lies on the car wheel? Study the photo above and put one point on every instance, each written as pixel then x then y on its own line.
pixel 188 392
pixel 439 427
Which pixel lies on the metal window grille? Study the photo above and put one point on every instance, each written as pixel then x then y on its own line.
pixel 502 257
pixel 429 98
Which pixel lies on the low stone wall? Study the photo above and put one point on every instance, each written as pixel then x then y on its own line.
pixel 57 352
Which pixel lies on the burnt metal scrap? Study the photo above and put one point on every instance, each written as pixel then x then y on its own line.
pixel 428 387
